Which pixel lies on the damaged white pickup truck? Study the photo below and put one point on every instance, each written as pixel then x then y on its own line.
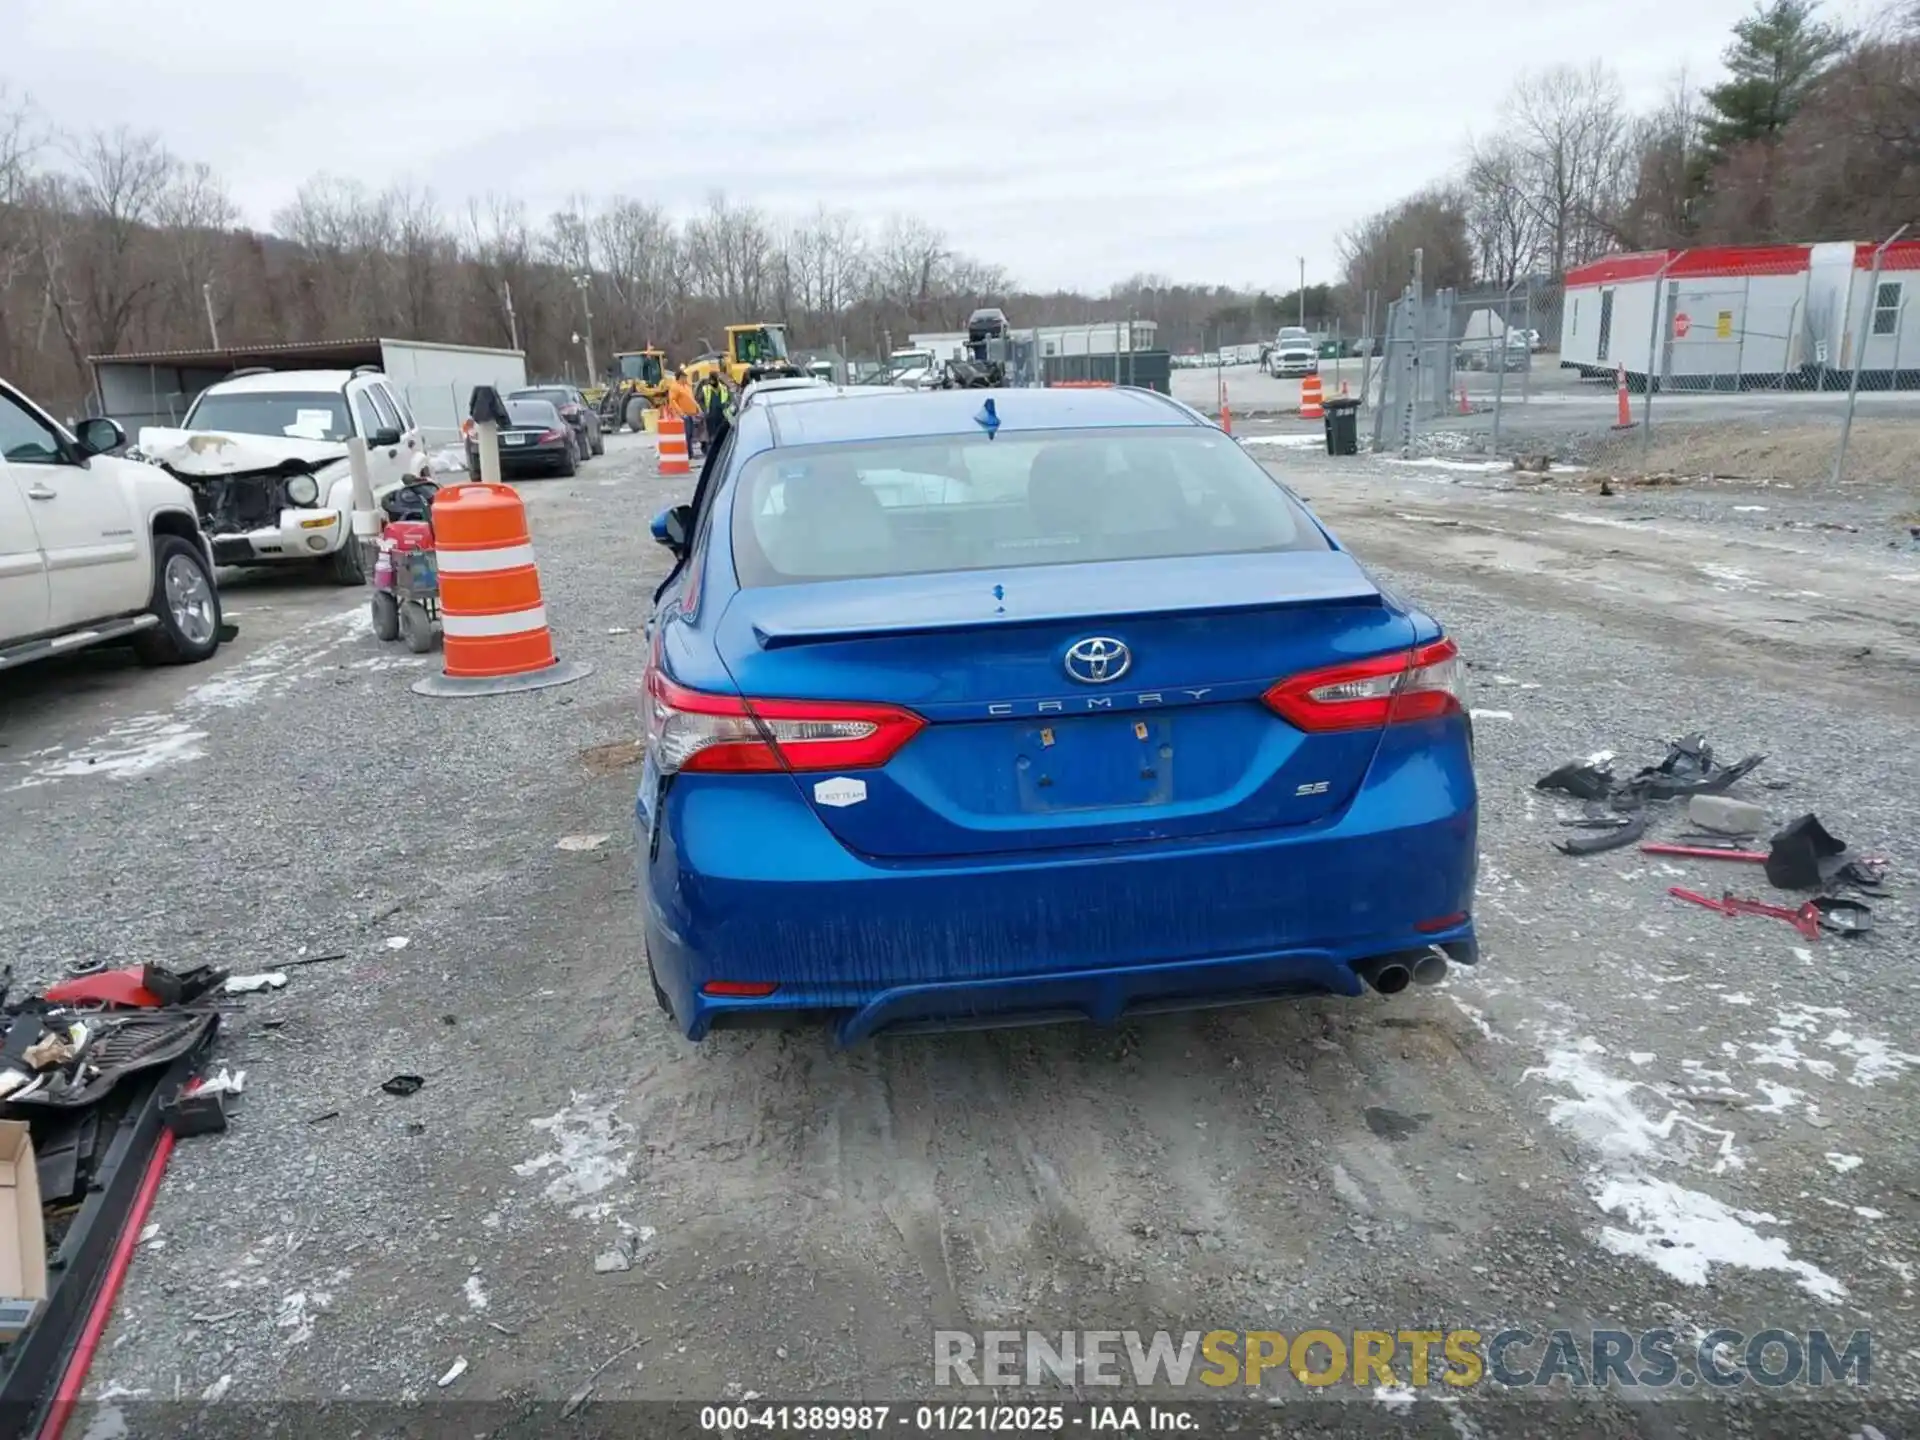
pixel 265 456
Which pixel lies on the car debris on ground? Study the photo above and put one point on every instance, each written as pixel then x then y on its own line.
pixel 1803 855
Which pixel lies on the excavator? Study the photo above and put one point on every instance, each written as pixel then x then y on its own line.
pixel 636 383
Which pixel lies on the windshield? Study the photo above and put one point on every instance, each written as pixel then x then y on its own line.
pixel 1293 332
pixel 293 414
pixel 905 507
pixel 644 368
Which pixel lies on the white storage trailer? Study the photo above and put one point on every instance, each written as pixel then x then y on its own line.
pixel 1745 316
pixel 436 380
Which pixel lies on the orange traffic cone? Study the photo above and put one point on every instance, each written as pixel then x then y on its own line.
pixel 673 445
pixel 492 615
pixel 1343 389
pixel 1465 408
pixel 1311 396
pixel 1625 420
pixel 1226 412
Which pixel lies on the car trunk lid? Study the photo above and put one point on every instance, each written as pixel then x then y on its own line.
pixel 1031 744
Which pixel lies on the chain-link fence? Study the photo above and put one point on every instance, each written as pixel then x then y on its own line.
pixel 1743 360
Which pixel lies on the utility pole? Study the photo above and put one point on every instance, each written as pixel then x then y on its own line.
pixel 213 327
pixel 513 322
pixel 1303 292
pixel 583 283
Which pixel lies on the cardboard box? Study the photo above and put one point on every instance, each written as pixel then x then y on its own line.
pixel 23 1234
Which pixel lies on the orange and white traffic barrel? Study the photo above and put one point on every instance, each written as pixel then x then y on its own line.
pixel 492 614
pixel 673 445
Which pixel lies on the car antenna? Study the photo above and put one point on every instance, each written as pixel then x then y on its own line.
pixel 988 419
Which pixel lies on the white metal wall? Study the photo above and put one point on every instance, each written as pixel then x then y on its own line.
pixel 438 380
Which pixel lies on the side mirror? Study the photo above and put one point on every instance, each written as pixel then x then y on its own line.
pixel 385 438
pixel 100 435
pixel 673 527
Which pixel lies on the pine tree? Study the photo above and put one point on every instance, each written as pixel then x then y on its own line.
pixel 1777 57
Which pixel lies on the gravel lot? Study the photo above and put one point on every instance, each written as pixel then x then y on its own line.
pixel 1636 1113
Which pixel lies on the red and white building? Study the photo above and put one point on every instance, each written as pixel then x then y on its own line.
pixel 1733 317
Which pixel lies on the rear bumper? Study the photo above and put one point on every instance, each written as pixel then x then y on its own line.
pixel 740 882
pixel 526 460
pixel 300 535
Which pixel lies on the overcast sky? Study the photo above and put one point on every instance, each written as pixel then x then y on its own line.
pixel 1073 142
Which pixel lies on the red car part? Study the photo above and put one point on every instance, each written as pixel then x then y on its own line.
pixel 106 987
pixel 1806 919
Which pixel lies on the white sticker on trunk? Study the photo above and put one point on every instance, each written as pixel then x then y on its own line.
pixel 840 791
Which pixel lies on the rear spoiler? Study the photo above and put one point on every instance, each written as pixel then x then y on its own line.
pixel 788 615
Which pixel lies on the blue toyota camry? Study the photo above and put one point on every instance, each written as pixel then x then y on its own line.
pixel 975 708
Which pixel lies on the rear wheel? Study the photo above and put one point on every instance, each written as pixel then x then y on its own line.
pixel 569 465
pixel 186 604
pixel 659 995
pixel 599 441
pixel 636 414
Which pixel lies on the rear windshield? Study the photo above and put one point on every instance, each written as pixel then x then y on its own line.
pixel 556 397
pixel 910 507
pixel 532 412
pixel 292 414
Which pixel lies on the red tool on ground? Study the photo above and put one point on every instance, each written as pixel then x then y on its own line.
pixel 1848 918
pixel 1707 852
pixel 1806 919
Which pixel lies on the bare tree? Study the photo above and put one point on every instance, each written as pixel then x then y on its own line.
pixel 1569 132
pixel 1502 221
pixel 1379 250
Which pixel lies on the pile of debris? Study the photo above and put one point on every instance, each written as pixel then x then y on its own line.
pixel 98 1077
pixel 1621 810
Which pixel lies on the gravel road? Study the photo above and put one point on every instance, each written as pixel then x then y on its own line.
pixel 1634 1114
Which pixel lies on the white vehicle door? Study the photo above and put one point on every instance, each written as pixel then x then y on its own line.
pixel 23 570
pixel 84 521
pixel 412 443
pixel 383 461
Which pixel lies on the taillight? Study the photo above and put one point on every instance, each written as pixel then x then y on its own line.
pixel 548 436
pixel 725 734
pixel 1394 689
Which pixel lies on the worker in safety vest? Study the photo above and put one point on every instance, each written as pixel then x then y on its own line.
pixel 680 403
pixel 713 399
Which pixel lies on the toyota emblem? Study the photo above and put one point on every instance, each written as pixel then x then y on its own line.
pixel 1098 660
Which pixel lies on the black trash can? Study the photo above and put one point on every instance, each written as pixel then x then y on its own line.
pixel 1343 426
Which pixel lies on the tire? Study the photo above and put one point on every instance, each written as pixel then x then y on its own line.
pixel 386 616
pixel 636 414
pixel 568 465
pixel 416 627
pixel 599 441
pixel 346 565
pixel 185 601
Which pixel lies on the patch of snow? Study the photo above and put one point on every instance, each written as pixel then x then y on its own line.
pixel 218 1389
pixel 1749 509
pixel 1873 1060
pixel 1843 1163
pixel 1602 1112
pixel 1466 467
pixel 1287 442
pixel 1728 577
pixel 1396 1397
pixel 1641 1057
pixel 476 1294
pixel 132 747
pixel 1779 1098
pixel 296 1314
pixel 448 460
pixel 581 842
pixel 589 1155
pixel 1684 1233
pixel 398 942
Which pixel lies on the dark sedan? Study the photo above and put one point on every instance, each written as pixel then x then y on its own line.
pixel 537 441
pixel 573 408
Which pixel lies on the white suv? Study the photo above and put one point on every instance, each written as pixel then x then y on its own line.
pixel 265 455
pixel 95 548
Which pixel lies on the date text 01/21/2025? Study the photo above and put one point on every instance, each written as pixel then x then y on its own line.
pixel 954 1419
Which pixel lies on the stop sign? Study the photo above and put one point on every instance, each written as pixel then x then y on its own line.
pixel 1681 324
